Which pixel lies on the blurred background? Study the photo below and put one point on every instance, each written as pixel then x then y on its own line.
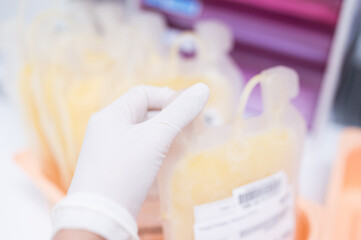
pixel 320 39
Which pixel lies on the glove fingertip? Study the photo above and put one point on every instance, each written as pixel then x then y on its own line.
pixel 185 107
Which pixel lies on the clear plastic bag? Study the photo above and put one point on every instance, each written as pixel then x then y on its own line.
pixel 237 181
pixel 203 56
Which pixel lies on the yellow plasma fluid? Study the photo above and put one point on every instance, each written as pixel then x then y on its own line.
pixel 211 175
pixel 59 115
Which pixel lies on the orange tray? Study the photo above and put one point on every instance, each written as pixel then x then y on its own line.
pixel 339 219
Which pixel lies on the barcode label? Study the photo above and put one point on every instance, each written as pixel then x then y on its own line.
pixel 263 209
pixel 250 195
pixel 267 189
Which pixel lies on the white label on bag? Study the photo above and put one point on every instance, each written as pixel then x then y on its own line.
pixel 260 210
pixel 214 210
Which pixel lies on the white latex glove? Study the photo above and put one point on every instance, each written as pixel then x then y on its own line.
pixel 120 158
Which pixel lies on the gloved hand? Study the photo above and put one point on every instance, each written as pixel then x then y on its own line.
pixel 120 158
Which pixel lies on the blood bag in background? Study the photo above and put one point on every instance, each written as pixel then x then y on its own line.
pixel 237 181
pixel 203 56
pixel 75 63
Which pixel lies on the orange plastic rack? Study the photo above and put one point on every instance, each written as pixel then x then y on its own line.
pixel 339 219
pixel 342 218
